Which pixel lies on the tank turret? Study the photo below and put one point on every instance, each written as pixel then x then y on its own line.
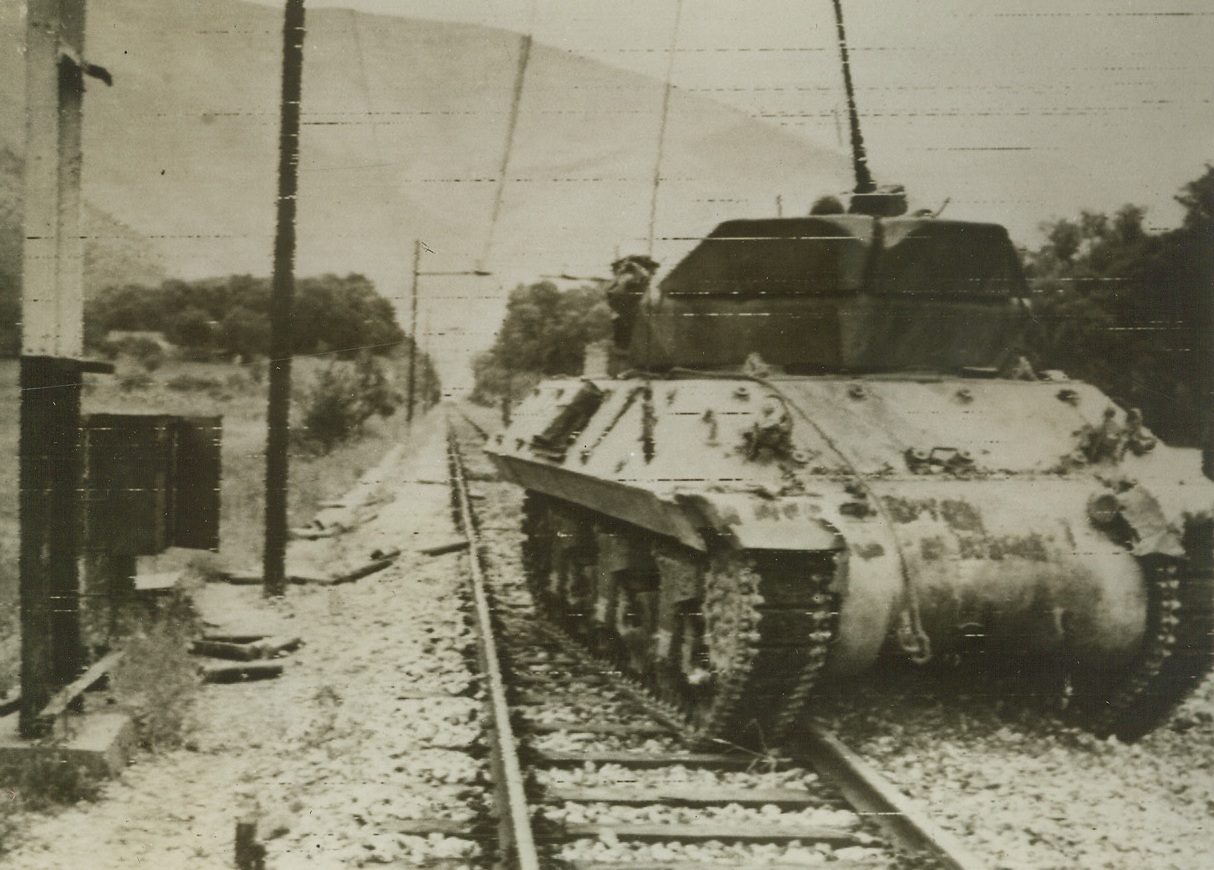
pixel 836 293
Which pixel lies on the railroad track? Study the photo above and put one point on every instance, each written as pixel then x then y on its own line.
pixel 589 774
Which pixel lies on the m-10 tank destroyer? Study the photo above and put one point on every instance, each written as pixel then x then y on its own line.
pixel 822 449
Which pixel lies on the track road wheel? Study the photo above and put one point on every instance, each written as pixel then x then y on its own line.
pixel 538 539
pixel 575 581
pixel 686 678
pixel 749 652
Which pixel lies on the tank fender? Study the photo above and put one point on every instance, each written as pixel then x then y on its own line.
pixel 753 522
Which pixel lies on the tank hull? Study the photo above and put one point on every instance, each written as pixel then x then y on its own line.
pixel 1027 520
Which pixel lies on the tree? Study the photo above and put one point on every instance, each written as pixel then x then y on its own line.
pixel 344 397
pixel 190 327
pixel 1130 310
pixel 544 334
pixel 344 316
pixel 231 315
pixel 245 332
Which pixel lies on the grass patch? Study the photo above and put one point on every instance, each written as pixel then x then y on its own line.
pixel 43 781
pixel 157 680
pixel 46 778
pixel 195 388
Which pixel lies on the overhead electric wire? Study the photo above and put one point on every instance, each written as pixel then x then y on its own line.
pixel 516 100
pixel 657 164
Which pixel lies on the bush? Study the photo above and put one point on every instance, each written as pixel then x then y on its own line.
pixel 232 315
pixel 144 351
pixel 45 778
pixel 343 398
pixel 188 383
pixel 191 327
pixel 156 679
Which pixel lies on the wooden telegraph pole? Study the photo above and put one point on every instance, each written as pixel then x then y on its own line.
pixel 281 304
pixel 52 315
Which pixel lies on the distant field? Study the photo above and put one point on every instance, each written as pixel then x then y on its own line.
pixel 201 388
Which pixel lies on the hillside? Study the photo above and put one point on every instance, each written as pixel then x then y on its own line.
pixel 404 129
pixel 113 252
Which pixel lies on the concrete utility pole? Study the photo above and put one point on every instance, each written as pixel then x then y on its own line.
pixel 52 315
pixel 274 572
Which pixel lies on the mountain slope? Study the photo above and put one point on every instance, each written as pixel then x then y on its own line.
pixel 113 252
pixel 404 127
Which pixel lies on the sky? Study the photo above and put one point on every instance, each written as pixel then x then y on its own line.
pixel 1045 107
pixel 1114 96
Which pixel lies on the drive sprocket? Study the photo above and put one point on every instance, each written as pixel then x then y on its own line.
pixel 1177 649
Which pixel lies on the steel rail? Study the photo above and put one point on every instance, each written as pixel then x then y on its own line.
pixel 906 825
pixel 871 795
pixel 522 838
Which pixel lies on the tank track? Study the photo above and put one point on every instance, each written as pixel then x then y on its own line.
pixel 768 623
pixel 1178 649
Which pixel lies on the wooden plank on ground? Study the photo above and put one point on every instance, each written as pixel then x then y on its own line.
pixel 218 649
pixel 720 831
pixel 444 548
pixel 363 570
pixel 245 651
pixel 219 672
pixel 73 690
pixel 687 795
pixel 233 638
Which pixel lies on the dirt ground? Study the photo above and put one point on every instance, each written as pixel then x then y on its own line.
pixel 320 746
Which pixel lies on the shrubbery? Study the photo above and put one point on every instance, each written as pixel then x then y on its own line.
pixel 545 334
pixel 147 353
pixel 157 679
pixel 1128 310
pixel 343 398
pixel 231 316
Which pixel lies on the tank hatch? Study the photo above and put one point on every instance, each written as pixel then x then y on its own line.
pixel 843 292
